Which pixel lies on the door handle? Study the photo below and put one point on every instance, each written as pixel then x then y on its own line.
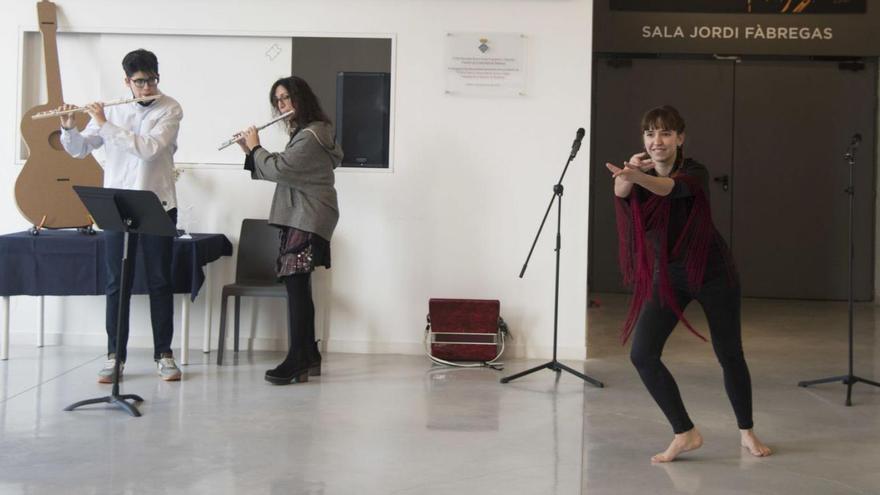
pixel 725 182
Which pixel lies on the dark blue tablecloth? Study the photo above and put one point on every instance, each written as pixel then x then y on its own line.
pixel 68 263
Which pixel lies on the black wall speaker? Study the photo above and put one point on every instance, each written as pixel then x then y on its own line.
pixel 363 103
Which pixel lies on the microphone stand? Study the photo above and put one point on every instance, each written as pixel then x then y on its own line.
pixel 555 365
pixel 849 379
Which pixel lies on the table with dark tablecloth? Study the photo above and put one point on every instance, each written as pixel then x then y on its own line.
pixel 70 263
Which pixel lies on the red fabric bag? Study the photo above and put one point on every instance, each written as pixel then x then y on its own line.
pixel 464 330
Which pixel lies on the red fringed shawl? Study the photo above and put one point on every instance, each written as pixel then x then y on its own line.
pixel 637 219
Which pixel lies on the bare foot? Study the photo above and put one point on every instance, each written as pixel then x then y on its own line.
pixel 683 442
pixel 756 447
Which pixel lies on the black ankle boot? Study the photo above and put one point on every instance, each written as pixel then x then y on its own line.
pixel 294 369
pixel 314 360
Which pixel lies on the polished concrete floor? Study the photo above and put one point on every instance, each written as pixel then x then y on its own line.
pixel 372 424
pixel 385 424
pixel 820 446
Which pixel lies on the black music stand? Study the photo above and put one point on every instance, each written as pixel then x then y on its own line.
pixel 130 212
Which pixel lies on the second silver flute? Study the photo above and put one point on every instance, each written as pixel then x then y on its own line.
pixel 236 137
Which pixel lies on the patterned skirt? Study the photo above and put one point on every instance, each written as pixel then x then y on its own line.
pixel 300 252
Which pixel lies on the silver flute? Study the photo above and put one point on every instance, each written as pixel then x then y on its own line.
pixel 58 113
pixel 236 137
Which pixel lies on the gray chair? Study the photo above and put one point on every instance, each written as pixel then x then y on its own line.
pixel 254 273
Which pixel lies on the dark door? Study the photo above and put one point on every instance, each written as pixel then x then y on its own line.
pixel 794 120
pixel 702 90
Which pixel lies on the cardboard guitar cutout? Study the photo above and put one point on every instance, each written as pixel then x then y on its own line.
pixel 44 188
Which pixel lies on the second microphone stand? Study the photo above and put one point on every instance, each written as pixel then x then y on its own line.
pixel 555 365
pixel 850 378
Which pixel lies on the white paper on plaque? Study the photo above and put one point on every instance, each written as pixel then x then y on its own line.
pixel 486 64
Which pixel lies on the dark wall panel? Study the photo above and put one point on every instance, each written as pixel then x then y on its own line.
pixel 794 122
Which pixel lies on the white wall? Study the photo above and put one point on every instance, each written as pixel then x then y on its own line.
pixel 455 218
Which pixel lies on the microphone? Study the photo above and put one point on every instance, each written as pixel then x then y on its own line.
pixel 856 141
pixel 853 146
pixel 576 145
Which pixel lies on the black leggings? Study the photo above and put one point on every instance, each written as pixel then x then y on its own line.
pixel 300 313
pixel 721 303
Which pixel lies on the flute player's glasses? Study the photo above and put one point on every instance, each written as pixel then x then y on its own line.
pixel 144 82
pixel 277 100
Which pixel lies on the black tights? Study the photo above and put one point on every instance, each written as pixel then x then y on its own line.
pixel 721 303
pixel 300 314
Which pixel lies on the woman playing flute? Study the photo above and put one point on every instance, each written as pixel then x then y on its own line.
pixel 304 208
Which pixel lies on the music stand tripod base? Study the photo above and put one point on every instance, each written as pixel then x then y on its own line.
pixel 116 400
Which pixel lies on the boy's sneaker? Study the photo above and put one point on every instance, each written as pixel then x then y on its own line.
pixel 167 368
pixel 106 373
